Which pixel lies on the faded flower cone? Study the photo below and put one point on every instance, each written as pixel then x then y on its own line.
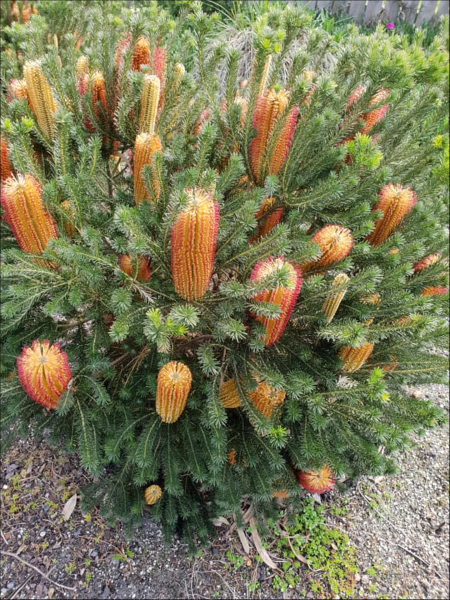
pixel 194 237
pixel 332 303
pixel 152 494
pixel 145 146
pixel 316 482
pixel 434 291
pixel 41 97
pixel 284 297
pixel 335 243
pixel 229 395
pixel 173 386
pixel 426 262
pixel 31 224
pixel 354 358
pixel 265 398
pixel 138 269
pixel 5 164
pixel 44 372
pixel 149 104
pixel 396 202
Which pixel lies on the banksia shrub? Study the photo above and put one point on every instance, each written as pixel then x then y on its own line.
pixel 173 387
pixel 241 355
pixel 284 297
pixel 355 358
pixel 138 269
pixel 41 97
pixel 316 482
pixel 152 494
pixel 194 237
pixel 44 372
pixel 333 301
pixel 395 201
pixel 25 213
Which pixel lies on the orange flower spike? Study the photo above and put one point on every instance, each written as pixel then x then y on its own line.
pixel 145 146
pixel 229 395
pixel 426 262
pixel 316 482
pixel 173 386
pixel 375 116
pixel 152 494
pixel 396 202
pixel 283 143
pixel 44 372
pixel 5 164
pixel 141 54
pixel 140 270
pixel 335 243
pixel 434 291
pixel 194 237
pixel 265 398
pixel 284 297
pixel 25 213
pixel 98 94
pixel 149 104
pixel 267 110
pixel 270 221
pixel 354 358
pixel 40 96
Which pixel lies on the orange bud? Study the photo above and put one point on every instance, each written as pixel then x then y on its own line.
pixel 152 494
pixel 44 372
pixel 265 398
pixel 194 237
pixel 354 358
pixel 375 116
pixel 173 386
pixel 389 367
pixel 31 224
pixel 396 202
pixel 229 395
pixel 434 291
pixel 280 494
pixel 138 269
pixel 426 262
pixel 316 482
pixel 270 221
pixel 231 455
pixel 40 96
pixel 145 146
pixel 284 297
pixel 335 243
pixel 5 164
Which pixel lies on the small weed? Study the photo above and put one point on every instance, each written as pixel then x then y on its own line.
pixel 371 571
pixel 236 560
pixel 254 587
pixel 70 568
pixel 88 576
pixel 279 584
pixel 87 562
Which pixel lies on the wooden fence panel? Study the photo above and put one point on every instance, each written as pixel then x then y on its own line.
pixel 410 10
pixel 339 6
pixel 323 4
pixel 391 10
pixel 443 8
pixel 373 11
pixel 357 9
pixel 427 11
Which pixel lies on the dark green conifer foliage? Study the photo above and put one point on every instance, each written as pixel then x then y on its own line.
pixel 119 331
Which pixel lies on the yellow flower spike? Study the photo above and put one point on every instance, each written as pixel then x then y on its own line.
pixel 332 303
pixel 149 104
pixel 82 65
pixel 68 224
pixel 152 494
pixel 229 395
pixel 173 386
pixel 41 97
pixel 265 75
pixel 354 358
pixel 266 399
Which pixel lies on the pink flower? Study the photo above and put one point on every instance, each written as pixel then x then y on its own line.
pixel 390 26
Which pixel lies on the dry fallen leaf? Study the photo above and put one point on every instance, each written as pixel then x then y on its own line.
pixel 259 547
pixel 69 507
pixel 244 541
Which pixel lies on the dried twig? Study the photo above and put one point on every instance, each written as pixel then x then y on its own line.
pixel 60 585
pixel 420 559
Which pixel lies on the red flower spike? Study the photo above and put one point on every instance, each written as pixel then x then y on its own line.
pixel 194 237
pixel 44 372
pixel 284 297
pixel 316 482
pixel 426 262
pixel 434 291
pixel 396 202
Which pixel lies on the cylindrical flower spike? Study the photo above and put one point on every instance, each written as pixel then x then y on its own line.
pixel 41 97
pixel 68 224
pixel 266 399
pixel 270 221
pixel 82 65
pixel 396 202
pixel 434 291
pixel 284 297
pixel 138 269
pixel 44 372
pixel 5 164
pixel 335 243
pixel 229 395
pixel 316 482
pixel 332 303
pixel 265 75
pixel 149 104
pixel 145 146
pixel 375 116
pixel 268 109
pixel 152 494
pixel 179 72
pixel 354 358
pixel 426 262
pixel 283 143
pixel 98 91
pixel 173 386
pixel 194 237
pixel 141 54
pixel 31 224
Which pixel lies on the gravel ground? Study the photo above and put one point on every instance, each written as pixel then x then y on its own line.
pixel 399 526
